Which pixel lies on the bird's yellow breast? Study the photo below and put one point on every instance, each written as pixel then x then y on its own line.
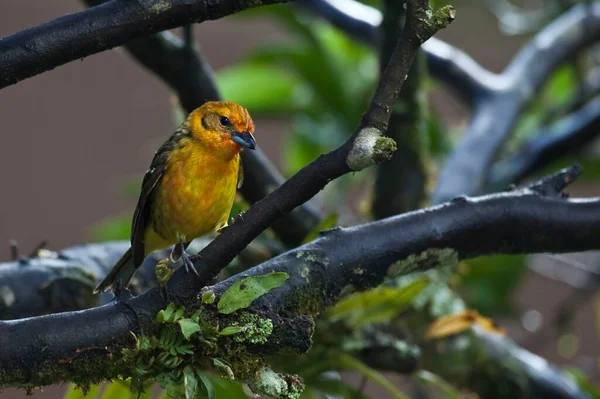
pixel 194 196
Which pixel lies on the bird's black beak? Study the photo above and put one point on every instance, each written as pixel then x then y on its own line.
pixel 245 139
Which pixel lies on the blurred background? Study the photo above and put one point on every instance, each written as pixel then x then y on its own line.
pixel 77 140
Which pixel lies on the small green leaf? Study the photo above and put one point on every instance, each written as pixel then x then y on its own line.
pixel 377 305
pixel 232 330
pixel 210 389
pixel 208 297
pixel 196 316
pixel 328 223
pixel 224 367
pixel 164 315
pixel 178 314
pixel 188 327
pixel 241 293
pixel 190 382
pixel 185 349
pixel 144 343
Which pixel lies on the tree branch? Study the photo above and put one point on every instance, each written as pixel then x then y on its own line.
pixel 86 346
pixel 495 367
pixel 190 76
pixel 75 36
pixel 467 170
pixel 461 73
pixel 568 135
pixel 53 282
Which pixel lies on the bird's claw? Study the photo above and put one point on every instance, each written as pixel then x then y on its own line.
pixel 188 264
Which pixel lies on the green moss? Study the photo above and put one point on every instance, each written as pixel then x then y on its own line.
pixel 269 383
pixel 384 149
pixel 441 18
pixel 163 272
pixel 161 7
pixel 256 329
pixel 162 354
pixel 208 297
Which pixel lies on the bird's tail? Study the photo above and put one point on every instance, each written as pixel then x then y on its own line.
pixel 123 270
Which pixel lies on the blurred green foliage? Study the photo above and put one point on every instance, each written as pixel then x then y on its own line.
pixel 488 282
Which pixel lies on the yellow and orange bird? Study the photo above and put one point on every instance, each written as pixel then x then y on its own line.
pixel 189 189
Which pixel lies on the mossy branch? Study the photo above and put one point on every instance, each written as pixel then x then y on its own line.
pixel 96 344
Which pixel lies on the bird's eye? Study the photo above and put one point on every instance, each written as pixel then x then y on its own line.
pixel 224 121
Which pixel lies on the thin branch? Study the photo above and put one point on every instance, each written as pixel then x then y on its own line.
pixel 400 182
pixel 184 69
pixel 461 73
pixel 574 132
pixel 467 169
pixel 78 35
pixel 46 349
pixel 446 63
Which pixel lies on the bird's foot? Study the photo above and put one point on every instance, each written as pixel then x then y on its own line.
pixel 187 262
pixel 240 216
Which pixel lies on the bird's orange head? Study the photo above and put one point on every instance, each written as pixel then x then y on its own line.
pixel 223 126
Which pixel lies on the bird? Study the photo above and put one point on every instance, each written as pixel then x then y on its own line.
pixel 189 189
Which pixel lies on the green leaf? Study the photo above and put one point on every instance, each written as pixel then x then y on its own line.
pixel 262 88
pixel 224 367
pixel 188 327
pixel 177 315
pixel 232 330
pixel 241 293
pixel 210 389
pixel 73 392
pixel 433 383
pixel 164 315
pixel 328 223
pixel 377 305
pixel 190 382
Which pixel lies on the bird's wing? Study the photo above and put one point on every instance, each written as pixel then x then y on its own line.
pixel 240 180
pixel 141 215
